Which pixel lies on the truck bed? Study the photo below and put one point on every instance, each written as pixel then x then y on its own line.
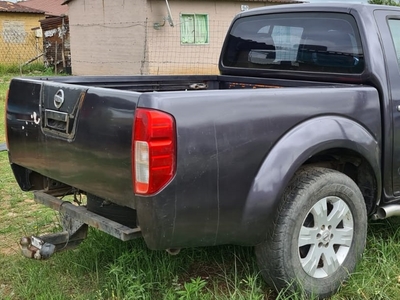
pixel 86 142
pixel 178 82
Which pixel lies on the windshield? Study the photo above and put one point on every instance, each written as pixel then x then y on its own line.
pixel 319 42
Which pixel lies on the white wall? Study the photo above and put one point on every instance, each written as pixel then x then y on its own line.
pixel 117 37
pixel 175 58
pixel 107 37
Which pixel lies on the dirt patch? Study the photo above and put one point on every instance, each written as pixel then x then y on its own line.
pixel 12 231
pixel 6 291
pixel 203 270
pixel 6 198
pixel 10 247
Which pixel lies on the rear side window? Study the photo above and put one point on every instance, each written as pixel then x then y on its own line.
pixel 316 42
pixel 394 25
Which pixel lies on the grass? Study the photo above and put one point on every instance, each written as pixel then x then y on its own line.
pixel 30 69
pixel 103 267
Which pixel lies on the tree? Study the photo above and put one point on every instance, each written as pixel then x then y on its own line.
pixel 385 2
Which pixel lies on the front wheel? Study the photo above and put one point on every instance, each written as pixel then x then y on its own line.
pixel 318 236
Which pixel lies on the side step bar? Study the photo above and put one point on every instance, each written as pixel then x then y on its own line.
pixel 80 213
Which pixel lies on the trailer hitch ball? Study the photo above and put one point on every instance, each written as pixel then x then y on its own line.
pixel 34 247
pixel 173 251
pixel 26 250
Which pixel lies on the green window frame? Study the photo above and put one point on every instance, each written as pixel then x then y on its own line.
pixel 194 29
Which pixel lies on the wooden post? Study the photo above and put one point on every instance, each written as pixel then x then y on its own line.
pixel 62 43
pixel 55 59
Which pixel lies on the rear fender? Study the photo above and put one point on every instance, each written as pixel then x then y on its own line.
pixel 290 153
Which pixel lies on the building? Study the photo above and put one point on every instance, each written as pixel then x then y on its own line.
pixel 50 7
pixel 55 28
pixel 151 36
pixel 20 42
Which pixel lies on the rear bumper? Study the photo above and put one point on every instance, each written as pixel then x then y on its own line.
pixel 80 213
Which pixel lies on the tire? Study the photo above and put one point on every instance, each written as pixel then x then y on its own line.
pixel 120 214
pixel 319 234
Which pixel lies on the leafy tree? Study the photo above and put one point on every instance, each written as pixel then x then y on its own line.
pixel 385 2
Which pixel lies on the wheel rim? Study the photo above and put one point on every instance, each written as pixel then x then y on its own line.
pixel 325 237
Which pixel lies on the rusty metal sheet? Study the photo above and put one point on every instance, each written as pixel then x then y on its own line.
pixel 56 43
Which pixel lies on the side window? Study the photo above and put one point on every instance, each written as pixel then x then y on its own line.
pixel 14 32
pixel 194 29
pixel 394 26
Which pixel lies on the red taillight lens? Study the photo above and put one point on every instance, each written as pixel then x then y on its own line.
pixel 154 150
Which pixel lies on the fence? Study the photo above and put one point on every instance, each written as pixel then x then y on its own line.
pixel 185 49
pixel 123 48
pixel 146 48
pixel 19 48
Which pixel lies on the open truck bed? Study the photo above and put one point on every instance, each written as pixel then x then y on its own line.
pixel 84 139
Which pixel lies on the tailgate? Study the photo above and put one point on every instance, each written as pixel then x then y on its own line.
pixel 77 135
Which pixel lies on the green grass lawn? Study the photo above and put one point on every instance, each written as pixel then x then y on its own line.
pixel 103 267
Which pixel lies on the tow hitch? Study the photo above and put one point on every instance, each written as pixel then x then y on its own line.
pixel 75 221
pixel 42 247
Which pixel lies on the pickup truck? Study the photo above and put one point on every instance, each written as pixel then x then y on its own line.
pixel 291 149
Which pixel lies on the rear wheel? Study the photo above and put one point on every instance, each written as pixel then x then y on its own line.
pixel 319 234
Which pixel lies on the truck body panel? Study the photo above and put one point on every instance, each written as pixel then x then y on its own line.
pixel 210 199
pixel 102 128
pixel 101 144
pixel 226 142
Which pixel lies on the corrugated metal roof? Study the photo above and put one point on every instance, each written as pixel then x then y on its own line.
pixel 6 6
pixel 52 22
pixel 51 7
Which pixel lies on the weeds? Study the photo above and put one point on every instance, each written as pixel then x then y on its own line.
pixel 30 69
pixel 192 289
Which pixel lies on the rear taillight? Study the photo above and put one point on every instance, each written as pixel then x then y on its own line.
pixel 153 150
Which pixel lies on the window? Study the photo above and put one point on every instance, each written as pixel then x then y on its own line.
pixel 315 42
pixel 14 32
pixel 194 29
pixel 395 32
pixel 284 38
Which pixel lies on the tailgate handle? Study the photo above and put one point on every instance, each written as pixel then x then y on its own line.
pixel 60 123
pixel 57 120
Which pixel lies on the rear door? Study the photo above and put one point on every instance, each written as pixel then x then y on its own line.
pixel 389 26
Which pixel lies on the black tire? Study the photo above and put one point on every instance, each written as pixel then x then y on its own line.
pixel 299 263
pixel 120 214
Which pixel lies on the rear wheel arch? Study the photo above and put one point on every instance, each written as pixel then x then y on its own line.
pixel 347 147
pixel 355 166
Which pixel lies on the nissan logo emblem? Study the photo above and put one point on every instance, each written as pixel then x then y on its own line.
pixel 59 98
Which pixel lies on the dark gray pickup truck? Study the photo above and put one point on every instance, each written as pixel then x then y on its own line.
pixel 290 149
